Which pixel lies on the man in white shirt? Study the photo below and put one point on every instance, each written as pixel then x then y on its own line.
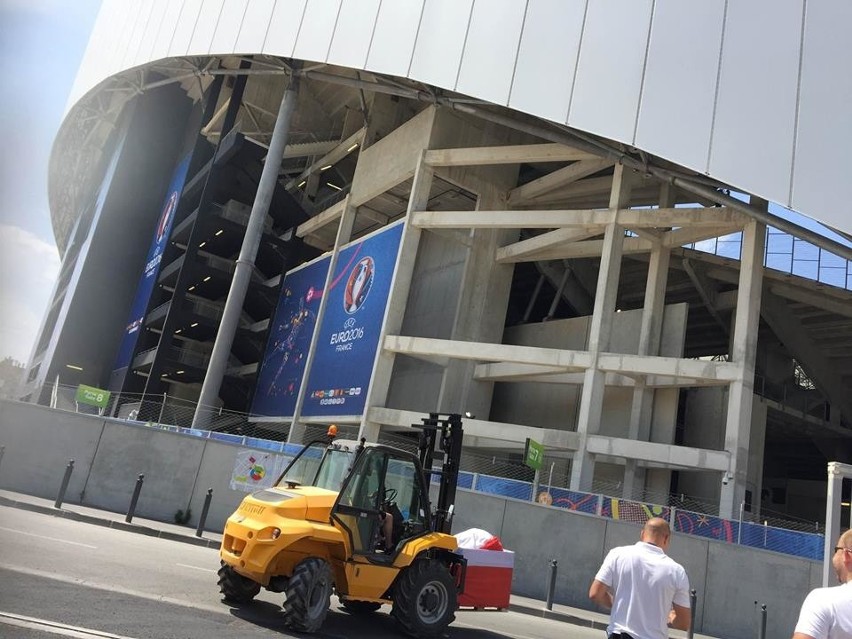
pixel 645 589
pixel 827 612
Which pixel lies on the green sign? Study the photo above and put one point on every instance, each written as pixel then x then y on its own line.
pixel 92 396
pixel 534 454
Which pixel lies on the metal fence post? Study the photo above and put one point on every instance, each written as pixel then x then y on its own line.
pixel 135 498
pixel 761 633
pixel 693 600
pixel 201 520
pixel 64 486
pixel 551 586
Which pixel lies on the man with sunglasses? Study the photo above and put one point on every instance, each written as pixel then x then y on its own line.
pixel 646 589
pixel 827 612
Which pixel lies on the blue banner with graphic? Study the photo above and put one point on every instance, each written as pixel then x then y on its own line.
pixel 149 277
pixel 352 323
pixel 283 365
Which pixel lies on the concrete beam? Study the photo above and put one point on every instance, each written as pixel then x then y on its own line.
pixel 477 351
pixel 667 455
pixel 711 219
pixel 323 218
pixel 480 428
pixel 332 157
pixel 571 173
pixel 528 250
pixel 588 248
pixel 506 372
pixel 486 155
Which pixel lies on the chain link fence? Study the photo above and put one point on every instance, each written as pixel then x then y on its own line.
pixel 503 474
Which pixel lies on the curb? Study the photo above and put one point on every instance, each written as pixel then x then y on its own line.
pixel 557 616
pixel 109 523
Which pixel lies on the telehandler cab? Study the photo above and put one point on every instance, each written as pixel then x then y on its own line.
pixel 320 528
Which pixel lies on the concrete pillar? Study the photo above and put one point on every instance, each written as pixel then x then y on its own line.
pixel 344 235
pixel 245 262
pixel 592 395
pixel 743 353
pixel 480 313
pixel 397 299
pixel 836 472
pixel 649 344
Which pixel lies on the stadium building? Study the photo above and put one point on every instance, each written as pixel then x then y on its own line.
pixel 554 215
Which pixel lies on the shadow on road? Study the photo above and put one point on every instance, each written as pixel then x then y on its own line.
pixel 340 623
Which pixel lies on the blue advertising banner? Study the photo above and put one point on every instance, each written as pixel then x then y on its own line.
pixel 295 319
pixel 349 334
pixel 152 269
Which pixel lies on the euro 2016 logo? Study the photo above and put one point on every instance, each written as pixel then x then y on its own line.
pixel 166 216
pixel 358 285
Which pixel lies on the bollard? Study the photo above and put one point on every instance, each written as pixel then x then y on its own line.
pixel 135 498
pixel 201 520
pixel 761 634
pixel 64 486
pixel 551 587
pixel 693 599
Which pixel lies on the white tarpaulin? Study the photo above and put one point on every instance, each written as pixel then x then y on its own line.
pixel 254 470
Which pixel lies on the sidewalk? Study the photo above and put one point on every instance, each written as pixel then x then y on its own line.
pixel 186 534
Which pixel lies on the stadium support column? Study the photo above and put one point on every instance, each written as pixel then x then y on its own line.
pixel 248 252
pixel 377 394
pixel 649 344
pixel 592 396
pixel 743 352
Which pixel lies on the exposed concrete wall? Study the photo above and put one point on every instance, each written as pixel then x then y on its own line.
pixel 556 405
pixel 179 469
pixel 706 409
pixel 108 456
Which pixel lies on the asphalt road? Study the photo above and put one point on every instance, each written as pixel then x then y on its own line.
pixel 64 578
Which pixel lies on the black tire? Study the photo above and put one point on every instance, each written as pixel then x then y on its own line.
pixel 308 595
pixel 359 607
pixel 425 599
pixel 234 587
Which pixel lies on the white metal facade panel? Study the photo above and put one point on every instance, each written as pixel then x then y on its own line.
pixel 166 30
pixel 254 26
pixel 753 132
pixel 122 52
pixel 143 20
pixel 676 111
pixel 821 173
pixel 228 28
pixel 755 102
pixel 440 42
pixel 393 38
pixel 284 27
pixel 185 26
pixel 155 23
pixel 92 68
pixel 547 57
pixel 488 62
pixel 317 29
pixel 205 27
pixel 351 41
pixel 609 70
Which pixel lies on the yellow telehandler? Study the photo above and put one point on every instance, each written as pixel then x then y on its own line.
pixel 325 525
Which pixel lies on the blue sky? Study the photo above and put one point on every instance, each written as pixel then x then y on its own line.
pixel 41 45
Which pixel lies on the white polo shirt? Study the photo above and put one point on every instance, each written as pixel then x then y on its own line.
pixel 645 582
pixel 827 613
